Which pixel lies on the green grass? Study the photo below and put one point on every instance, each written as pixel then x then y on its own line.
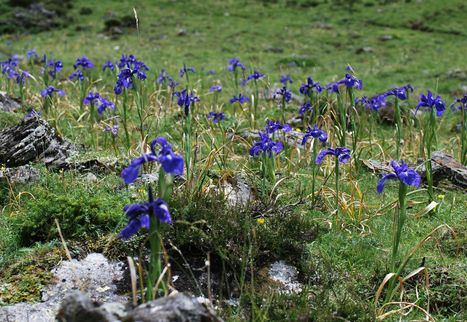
pixel 341 263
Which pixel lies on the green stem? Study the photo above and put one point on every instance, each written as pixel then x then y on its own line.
pixel 337 189
pixel 343 125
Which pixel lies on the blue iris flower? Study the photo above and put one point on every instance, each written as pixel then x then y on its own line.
pixel 53 67
pixel 274 126
pixel 130 67
pixel 21 78
pixel 234 63
pixel 406 175
pixel 50 90
pixel 215 88
pixel 171 163
pixel 240 98
pixel 185 100
pixel 286 78
pixel 104 104
pixel 91 97
pixel 185 70
pixel 374 103
pixel 256 75
pixel 266 145
pixel 138 215
pixel 462 101
pixel 342 154
pixel 316 133
pixel 83 62
pixel 78 74
pixel 304 108
pixel 32 54
pixel 400 92
pixel 306 89
pixel 429 102
pixel 349 81
pixel 108 65
pixel 216 117
pixel 285 93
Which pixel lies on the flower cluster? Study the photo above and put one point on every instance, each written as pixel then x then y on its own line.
pixel 463 103
pixel 50 90
pixel 129 67
pixel 185 70
pixel 428 102
pixel 78 74
pixel 342 154
pixel 171 163
pixel 266 145
pixel 255 75
pixel 108 65
pixel 240 99
pixel 52 67
pixel 286 78
pixel 403 173
pixel 307 88
pixel 185 100
pixel 284 93
pixel 234 63
pixel 316 133
pixel 349 81
pixel 216 117
pixel 9 67
pixel 274 126
pixel 103 103
pixel 138 215
pixel 304 108
pixel 215 88
pixel 84 62
pixel 379 101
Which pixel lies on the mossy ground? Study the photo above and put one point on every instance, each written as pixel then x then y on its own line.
pixel 342 260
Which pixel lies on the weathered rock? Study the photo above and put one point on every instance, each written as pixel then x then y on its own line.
pixel 21 174
pixel 77 307
pixel 286 275
pixel 32 140
pixel 8 103
pixel 237 191
pixel 95 275
pixel 176 308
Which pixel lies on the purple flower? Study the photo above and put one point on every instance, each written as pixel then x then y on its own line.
pixel 50 90
pixel 304 108
pixel 342 154
pixel 216 117
pixel 185 70
pixel 349 81
pixel 138 215
pixel 286 78
pixel 78 74
pixel 316 133
pixel 91 97
pixel 171 163
pixel 256 75
pixel 211 72
pixel 374 103
pixel 274 126
pixel 21 78
pixel 32 114
pixel 32 54
pixel 240 99
pixel 162 77
pixel 129 68
pixel 285 93
pixel 53 67
pixel 428 102
pixel 215 88
pixel 113 130
pixel 306 89
pixel 406 175
pixel 266 145
pixel 185 100
pixel 400 92
pixel 108 65
pixel 462 101
pixel 234 63
pixel 104 104
pixel 83 62
pixel 8 67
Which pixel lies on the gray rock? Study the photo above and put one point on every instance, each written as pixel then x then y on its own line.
pixel 176 308
pixel 237 191
pixel 77 307
pixel 8 103
pixel 21 174
pixel 32 140
pixel 95 275
pixel 91 177
pixel 286 276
